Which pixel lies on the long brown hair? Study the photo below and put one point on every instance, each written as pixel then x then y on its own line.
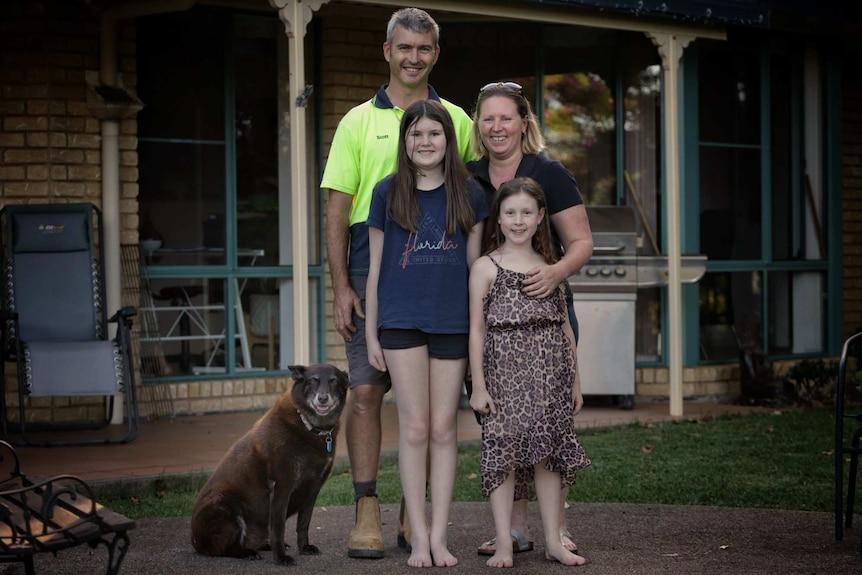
pixel 542 242
pixel 402 202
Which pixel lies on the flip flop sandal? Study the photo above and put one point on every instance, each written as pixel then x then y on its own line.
pixel 520 544
pixel 570 544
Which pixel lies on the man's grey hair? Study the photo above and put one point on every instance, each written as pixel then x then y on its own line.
pixel 415 20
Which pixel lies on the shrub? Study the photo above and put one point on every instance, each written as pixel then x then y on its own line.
pixel 814 380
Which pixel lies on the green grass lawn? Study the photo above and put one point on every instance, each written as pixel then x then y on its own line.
pixel 780 460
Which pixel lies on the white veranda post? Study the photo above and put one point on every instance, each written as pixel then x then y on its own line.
pixel 296 14
pixel 670 48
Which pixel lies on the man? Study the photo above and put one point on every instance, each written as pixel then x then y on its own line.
pixel 364 151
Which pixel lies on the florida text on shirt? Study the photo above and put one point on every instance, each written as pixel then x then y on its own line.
pixel 430 245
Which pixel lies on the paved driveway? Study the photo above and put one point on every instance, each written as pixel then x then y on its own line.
pixel 616 539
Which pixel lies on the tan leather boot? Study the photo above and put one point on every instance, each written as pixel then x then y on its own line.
pixel 366 539
pixel 403 527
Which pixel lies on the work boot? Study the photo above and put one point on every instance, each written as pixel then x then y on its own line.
pixel 366 539
pixel 404 527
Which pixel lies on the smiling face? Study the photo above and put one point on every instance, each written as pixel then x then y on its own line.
pixel 519 218
pixel 501 127
pixel 411 57
pixel 425 142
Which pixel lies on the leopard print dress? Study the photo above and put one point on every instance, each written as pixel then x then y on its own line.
pixel 529 372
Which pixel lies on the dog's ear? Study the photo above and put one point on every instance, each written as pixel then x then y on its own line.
pixel 297 372
pixel 343 378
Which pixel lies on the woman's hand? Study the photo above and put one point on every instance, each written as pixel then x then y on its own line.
pixel 543 280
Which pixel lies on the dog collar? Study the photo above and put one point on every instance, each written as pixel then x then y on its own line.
pixel 327 433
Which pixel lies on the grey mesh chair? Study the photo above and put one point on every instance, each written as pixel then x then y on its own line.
pixel 846 391
pixel 56 327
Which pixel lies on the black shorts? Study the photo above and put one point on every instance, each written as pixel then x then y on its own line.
pixel 440 345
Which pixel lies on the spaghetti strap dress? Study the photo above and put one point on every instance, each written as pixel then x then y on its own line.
pixel 529 372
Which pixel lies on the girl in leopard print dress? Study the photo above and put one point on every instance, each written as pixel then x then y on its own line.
pixel 522 361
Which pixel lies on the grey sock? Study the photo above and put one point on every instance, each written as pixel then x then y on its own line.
pixel 364 489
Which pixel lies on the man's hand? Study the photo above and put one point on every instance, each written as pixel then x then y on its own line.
pixel 345 305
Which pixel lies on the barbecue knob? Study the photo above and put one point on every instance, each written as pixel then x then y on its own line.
pixel 620 271
pixel 606 271
pixel 592 272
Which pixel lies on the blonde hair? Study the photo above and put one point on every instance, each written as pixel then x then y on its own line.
pixel 533 142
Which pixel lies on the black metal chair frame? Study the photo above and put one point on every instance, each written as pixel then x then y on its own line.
pixel 12 348
pixel 844 517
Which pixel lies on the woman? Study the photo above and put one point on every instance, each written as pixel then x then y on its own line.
pixel 507 138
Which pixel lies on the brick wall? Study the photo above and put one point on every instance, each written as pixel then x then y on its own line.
pixel 851 237
pixel 719 382
pixel 226 395
pixel 50 144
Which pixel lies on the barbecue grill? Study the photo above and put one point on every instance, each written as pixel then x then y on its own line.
pixel 605 297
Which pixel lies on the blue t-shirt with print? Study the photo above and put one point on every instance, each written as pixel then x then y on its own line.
pixel 423 275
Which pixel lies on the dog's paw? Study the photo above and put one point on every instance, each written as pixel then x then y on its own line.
pixel 286 560
pixel 310 550
pixel 252 555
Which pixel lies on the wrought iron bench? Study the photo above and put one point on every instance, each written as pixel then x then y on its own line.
pixel 41 515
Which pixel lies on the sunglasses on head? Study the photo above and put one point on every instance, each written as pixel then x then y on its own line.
pixel 508 85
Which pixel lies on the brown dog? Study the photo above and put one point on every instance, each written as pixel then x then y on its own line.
pixel 274 471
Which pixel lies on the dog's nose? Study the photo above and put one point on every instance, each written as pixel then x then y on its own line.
pixel 323 398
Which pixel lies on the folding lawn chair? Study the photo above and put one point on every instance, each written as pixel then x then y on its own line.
pixel 55 326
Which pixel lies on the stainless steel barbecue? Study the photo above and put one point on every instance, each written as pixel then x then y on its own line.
pixel 605 296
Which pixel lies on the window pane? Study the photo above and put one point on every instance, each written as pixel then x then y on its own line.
pixel 785 246
pixel 182 200
pixel 648 325
pixel 730 203
pixel 257 138
pixel 262 322
pixel 181 77
pixel 182 326
pixel 579 101
pixel 642 101
pixel 729 89
pixel 796 311
pixel 730 313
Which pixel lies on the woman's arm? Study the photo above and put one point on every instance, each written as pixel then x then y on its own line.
pixel 573 228
pixel 375 352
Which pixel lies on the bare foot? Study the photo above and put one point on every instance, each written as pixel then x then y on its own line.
pixel 556 552
pixel 566 540
pixel 419 559
pixel 442 557
pixel 500 559
pixel 420 552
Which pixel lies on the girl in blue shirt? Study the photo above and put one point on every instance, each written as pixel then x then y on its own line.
pixel 425 230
